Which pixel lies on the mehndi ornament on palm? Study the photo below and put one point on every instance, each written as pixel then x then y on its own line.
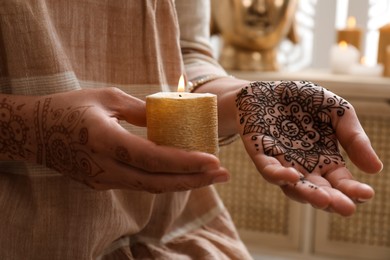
pixel 292 119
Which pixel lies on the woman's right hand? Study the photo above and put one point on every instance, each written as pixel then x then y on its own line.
pixel 78 134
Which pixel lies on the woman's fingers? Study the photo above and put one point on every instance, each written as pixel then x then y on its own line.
pixel 306 192
pixel 122 106
pixel 117 143
pixel 336 192
pixel 139 164
pixel 166 182
pixel 356 143
pixel 341 179
pixel 144 154
pixel 280 175
pixel 321 197
pixel 123 176
pixel 270 167
pixel 362 154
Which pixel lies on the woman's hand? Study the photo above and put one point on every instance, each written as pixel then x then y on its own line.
pixel 78 134
pixel 291 131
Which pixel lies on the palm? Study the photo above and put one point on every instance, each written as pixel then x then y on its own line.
pixel 292 121
pixel 291 126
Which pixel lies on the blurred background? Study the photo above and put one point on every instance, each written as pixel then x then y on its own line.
pixel 341 45
pixel 317 22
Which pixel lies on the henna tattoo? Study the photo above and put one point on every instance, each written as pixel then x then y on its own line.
pixel 292 119
pixel 37 124
pixel 302 180
pixel 55 130
pixel 83 135
pixel 122 154
pixel 13 131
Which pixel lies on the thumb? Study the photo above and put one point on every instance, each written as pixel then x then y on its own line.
pixel 357 144
pixel 135 111
pixel 129 108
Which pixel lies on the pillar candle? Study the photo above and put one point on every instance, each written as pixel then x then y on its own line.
pixel 387 62
pixel 384 41
pixel 363 69
pixel 351 35
pixel 184 120
pixel 342 57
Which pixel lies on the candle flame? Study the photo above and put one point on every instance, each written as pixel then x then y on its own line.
pixel 351 22
pixel 181 85
pixel 343 44
pixel 363 60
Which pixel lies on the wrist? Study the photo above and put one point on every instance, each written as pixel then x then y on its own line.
pixel 201 80
pixel 18 140
pixel 226 88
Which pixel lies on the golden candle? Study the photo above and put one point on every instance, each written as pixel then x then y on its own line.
pixel 351 35
pixel 184 120
pixel 384 41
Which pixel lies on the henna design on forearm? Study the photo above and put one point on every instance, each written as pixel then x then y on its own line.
pixel 292 119
pixel 13 131
pixel 122 154
pixel 57 148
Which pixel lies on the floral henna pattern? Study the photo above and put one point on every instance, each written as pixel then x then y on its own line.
pixel 292 119
pixel 57 148
pixel 14 132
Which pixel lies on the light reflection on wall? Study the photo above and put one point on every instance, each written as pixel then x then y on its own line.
pixel 301 56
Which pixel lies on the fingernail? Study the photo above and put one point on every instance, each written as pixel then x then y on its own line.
pixel 221 178
pixel 283 183
pixel 210 167
pixel 298 172
pixel 381 167
pixel 360 200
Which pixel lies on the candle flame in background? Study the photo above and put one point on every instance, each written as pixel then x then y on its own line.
pixel 181 85
pixel 363 60
pixel 351 22
pixel 343 44
pixel 246 3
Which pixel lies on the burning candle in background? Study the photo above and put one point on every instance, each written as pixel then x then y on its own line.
pixel 387 62
pixel 184 120
pixel 364 69
pixel 342 57
pixel 384 41
pixel 351 34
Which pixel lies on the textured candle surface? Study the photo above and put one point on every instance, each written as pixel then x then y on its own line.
pixel 183 120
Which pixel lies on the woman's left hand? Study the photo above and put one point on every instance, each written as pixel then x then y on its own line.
pixel 291 130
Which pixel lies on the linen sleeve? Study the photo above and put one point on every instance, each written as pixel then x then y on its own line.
pixel 194 22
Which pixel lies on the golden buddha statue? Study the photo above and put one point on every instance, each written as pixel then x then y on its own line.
pixel 251 31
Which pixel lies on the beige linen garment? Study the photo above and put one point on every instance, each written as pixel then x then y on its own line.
pixel 49 46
